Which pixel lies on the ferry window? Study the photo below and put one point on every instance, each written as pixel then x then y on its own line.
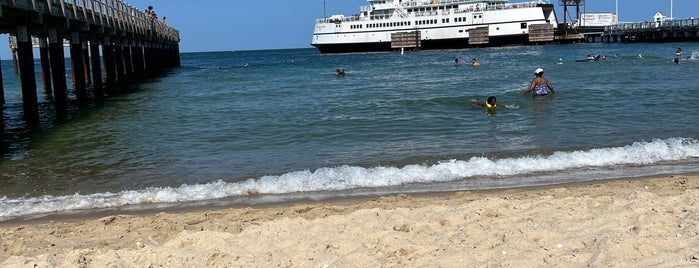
pixel 523 25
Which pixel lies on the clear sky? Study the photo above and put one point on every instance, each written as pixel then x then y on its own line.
pixel 221 25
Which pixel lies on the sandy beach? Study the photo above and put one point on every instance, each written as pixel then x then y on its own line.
pixel 620 223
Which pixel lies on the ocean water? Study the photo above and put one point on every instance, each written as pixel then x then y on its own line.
pixel 285 128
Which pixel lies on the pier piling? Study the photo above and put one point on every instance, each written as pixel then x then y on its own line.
pixel 25 59
pixel 128 63
pixel 109 64
pixel 78 67
pixel 2 91
pixel 120 63
pixel 45 65
pixel 96 69
pixel 58 70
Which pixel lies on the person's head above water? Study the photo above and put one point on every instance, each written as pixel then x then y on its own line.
pixel 491 102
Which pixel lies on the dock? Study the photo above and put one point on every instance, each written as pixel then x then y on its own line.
pixel 133 46
pixel 660 31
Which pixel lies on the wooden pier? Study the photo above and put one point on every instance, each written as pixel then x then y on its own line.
pixel 132 44
pixel 661 31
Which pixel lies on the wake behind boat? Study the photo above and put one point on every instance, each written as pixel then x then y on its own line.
pixel 434 24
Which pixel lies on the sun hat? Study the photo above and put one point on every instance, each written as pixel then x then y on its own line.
pixel 539 70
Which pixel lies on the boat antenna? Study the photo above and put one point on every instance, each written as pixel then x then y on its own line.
pixel 324 4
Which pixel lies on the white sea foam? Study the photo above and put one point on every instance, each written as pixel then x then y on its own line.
pixel 353 177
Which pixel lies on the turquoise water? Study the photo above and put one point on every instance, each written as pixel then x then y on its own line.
pixel 286 127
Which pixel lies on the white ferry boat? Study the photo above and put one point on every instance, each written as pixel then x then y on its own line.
pixel 435 24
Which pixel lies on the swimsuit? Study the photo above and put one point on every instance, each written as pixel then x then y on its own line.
pixel 541 90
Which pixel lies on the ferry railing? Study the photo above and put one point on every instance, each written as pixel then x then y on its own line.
pixel 474 8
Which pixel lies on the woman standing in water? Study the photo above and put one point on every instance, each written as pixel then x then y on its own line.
pixel 540 86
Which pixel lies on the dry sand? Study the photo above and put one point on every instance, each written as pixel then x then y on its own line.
pixel 621 223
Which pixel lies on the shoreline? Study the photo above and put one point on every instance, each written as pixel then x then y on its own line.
pixel 639 221
pixel 203 206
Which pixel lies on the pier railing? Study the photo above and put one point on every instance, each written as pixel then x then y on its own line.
pixel 113 15
pixel 656 31
pixel 653 26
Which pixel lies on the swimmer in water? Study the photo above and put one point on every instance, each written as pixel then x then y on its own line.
pixel 475 63
pixel 490 103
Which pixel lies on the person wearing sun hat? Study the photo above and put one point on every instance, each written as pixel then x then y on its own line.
pixel 540 86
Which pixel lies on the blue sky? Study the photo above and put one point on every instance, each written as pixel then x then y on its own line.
pixel 221 25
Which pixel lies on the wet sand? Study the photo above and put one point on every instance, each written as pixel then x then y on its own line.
pixel 618 223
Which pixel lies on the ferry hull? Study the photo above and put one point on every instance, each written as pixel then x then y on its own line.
pixel 455 43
